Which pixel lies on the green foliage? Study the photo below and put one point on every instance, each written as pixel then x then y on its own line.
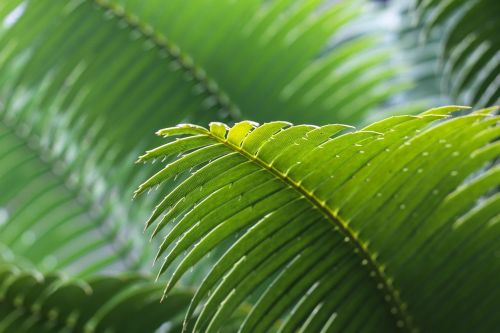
pixel 83 83
pixel 278 227
pixel 275 59
pixel 464 37
pixel 56 215
pixel 284 42
pixel 367 230
pixel 32 302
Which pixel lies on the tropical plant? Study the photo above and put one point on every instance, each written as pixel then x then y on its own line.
pixel 72 70
pixel 456 49
pixel 265 227
pixel 363 231
pixel 35 303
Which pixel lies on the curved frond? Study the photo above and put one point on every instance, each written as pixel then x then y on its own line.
pixel 468 46
pixel 57 212
pixel 45 221
pixel 276 57
pixel 73 75
pixel 321 227
pixel 31 302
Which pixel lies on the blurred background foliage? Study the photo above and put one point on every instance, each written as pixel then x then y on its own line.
pixel 84 84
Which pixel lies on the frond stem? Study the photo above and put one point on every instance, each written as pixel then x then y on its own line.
pixel 392 296
pixel 77 192
pixel 209 86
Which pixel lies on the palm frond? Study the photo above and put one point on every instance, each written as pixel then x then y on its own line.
pixel 266 56
pixel 467 47
pixel 32 302
pixel 322 227
pixel 275 59
pixel 56 215
pixel 73 76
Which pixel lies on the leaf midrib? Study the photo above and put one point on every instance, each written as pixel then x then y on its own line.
pixel 75 191
pixel 403 319
pixel 210 86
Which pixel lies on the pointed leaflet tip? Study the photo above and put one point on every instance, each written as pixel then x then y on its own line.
pixel 167 290
pixel 157 256
pixel 144 157
pixel 218 129
pixel 158 228
pixel 182 129
pixel 136 193
pixel 249 122
pixel 150 221
pixel 184 326
pixel 487 111
pixel 445 110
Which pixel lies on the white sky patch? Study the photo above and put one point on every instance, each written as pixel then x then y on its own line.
pixel 4 215
pixel 14 15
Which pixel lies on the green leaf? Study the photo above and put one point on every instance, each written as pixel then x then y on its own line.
pixel 82 83
pixel 31 302
pixel 52 219
pixel 391 226
pixel 465 47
